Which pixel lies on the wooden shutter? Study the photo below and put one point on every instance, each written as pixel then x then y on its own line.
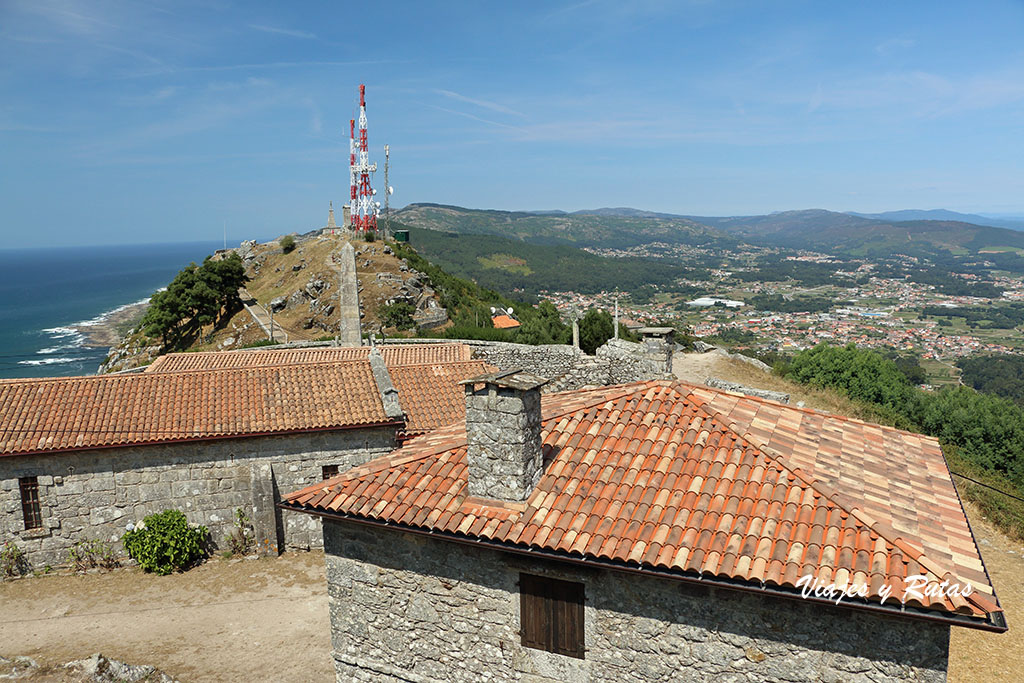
pixel 551 615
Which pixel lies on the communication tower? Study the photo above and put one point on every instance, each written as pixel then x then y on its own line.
pixel 364 208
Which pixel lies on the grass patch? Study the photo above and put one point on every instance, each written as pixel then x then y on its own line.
pixel 1001 510
pixel 506 262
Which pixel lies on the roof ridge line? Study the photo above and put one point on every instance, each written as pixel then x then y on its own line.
pixel 186 371
pixel 810 411
pixel 843 502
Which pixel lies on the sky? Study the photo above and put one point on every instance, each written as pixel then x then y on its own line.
pixel 165 121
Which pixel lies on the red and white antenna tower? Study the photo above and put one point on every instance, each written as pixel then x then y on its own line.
pixel 364 209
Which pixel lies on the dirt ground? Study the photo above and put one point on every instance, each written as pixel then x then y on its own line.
pixel 245 620
pixel 248 620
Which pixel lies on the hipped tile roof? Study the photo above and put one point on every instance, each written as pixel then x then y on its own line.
pixel 394 354
pixel 431 395
pixel 71 413
pixel 668 476
pixel 504 322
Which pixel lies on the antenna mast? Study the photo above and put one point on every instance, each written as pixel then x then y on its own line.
pixel 364 209
pixel 387 193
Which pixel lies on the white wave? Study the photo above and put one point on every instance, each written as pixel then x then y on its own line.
pixel 58 332
pixel 103 317
pixel 48 361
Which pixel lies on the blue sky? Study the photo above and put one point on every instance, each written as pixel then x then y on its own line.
pixel 138 121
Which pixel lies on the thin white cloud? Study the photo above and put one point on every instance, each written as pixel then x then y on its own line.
pixel 493 106
pixel 475 118
pixel 290 32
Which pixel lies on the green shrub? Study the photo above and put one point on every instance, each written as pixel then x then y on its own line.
pixel 370 236
pixel 287 244
pixel 164 542
pixel 398 315
pixel 92 554
pixel 12 561
pixel 261 342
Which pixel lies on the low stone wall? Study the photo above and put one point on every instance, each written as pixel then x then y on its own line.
pixel 91 495
pixel 716 383
pixel 410 608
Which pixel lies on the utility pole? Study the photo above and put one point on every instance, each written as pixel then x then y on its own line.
pixel 616 333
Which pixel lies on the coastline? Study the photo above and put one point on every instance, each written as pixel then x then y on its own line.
pixel 102 331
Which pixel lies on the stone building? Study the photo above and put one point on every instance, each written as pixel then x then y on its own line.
pixel 80 457
pixel 650 531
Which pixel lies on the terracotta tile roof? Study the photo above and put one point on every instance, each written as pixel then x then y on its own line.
pixel 431 395
pixel 72 413
pixel 664 475
pixel 504 322
pixel 394 354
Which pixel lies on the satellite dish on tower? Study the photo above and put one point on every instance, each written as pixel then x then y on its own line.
pixel 510 311
pixel 391 190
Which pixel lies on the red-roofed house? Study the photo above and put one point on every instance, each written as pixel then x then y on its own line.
pixel 80 457
pixel 652 531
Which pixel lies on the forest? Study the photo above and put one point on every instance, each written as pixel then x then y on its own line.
pixel 1002 375
pixel 534 267
pixel 985 317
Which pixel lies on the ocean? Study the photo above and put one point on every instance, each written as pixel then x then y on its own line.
pixel 45 293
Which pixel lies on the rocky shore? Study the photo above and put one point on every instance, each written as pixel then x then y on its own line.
pixel 109 329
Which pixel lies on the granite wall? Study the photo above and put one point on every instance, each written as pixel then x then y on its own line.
pixel 410 608
pixel 94 494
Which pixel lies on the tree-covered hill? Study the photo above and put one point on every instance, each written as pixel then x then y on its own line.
pixel 608 229
pixel 509 265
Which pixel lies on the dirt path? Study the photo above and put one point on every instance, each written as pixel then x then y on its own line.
pixel 978 655
pixel 223 621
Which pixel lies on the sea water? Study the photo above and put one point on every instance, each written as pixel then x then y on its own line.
pixel 46 293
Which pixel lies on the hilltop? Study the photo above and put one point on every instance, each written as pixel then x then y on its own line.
pixel 300 287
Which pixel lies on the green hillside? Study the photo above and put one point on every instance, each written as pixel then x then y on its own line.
pixel 599 229
pixel 522 268
pixel 857 236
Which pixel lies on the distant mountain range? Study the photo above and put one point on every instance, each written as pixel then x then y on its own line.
pixel 1011 222
pixel 606 228
pixel 846 234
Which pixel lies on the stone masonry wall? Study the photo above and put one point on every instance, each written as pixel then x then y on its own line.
pixel 410 608
pixel 92 495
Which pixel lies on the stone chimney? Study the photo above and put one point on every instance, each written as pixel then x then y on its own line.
pixel 503 443
pixel 658 344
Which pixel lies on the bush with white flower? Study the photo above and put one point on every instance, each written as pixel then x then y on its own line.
pixel 165 542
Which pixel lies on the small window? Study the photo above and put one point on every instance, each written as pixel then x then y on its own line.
pixel 30 502
pixel 329 471
pixel 551 612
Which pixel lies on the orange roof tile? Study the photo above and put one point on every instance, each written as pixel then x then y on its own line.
pixel 504 322
pixel 394 354
pixel 73 413
pixel 431 395
pixel 691 480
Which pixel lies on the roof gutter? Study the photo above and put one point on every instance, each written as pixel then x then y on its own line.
pixel 995 622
